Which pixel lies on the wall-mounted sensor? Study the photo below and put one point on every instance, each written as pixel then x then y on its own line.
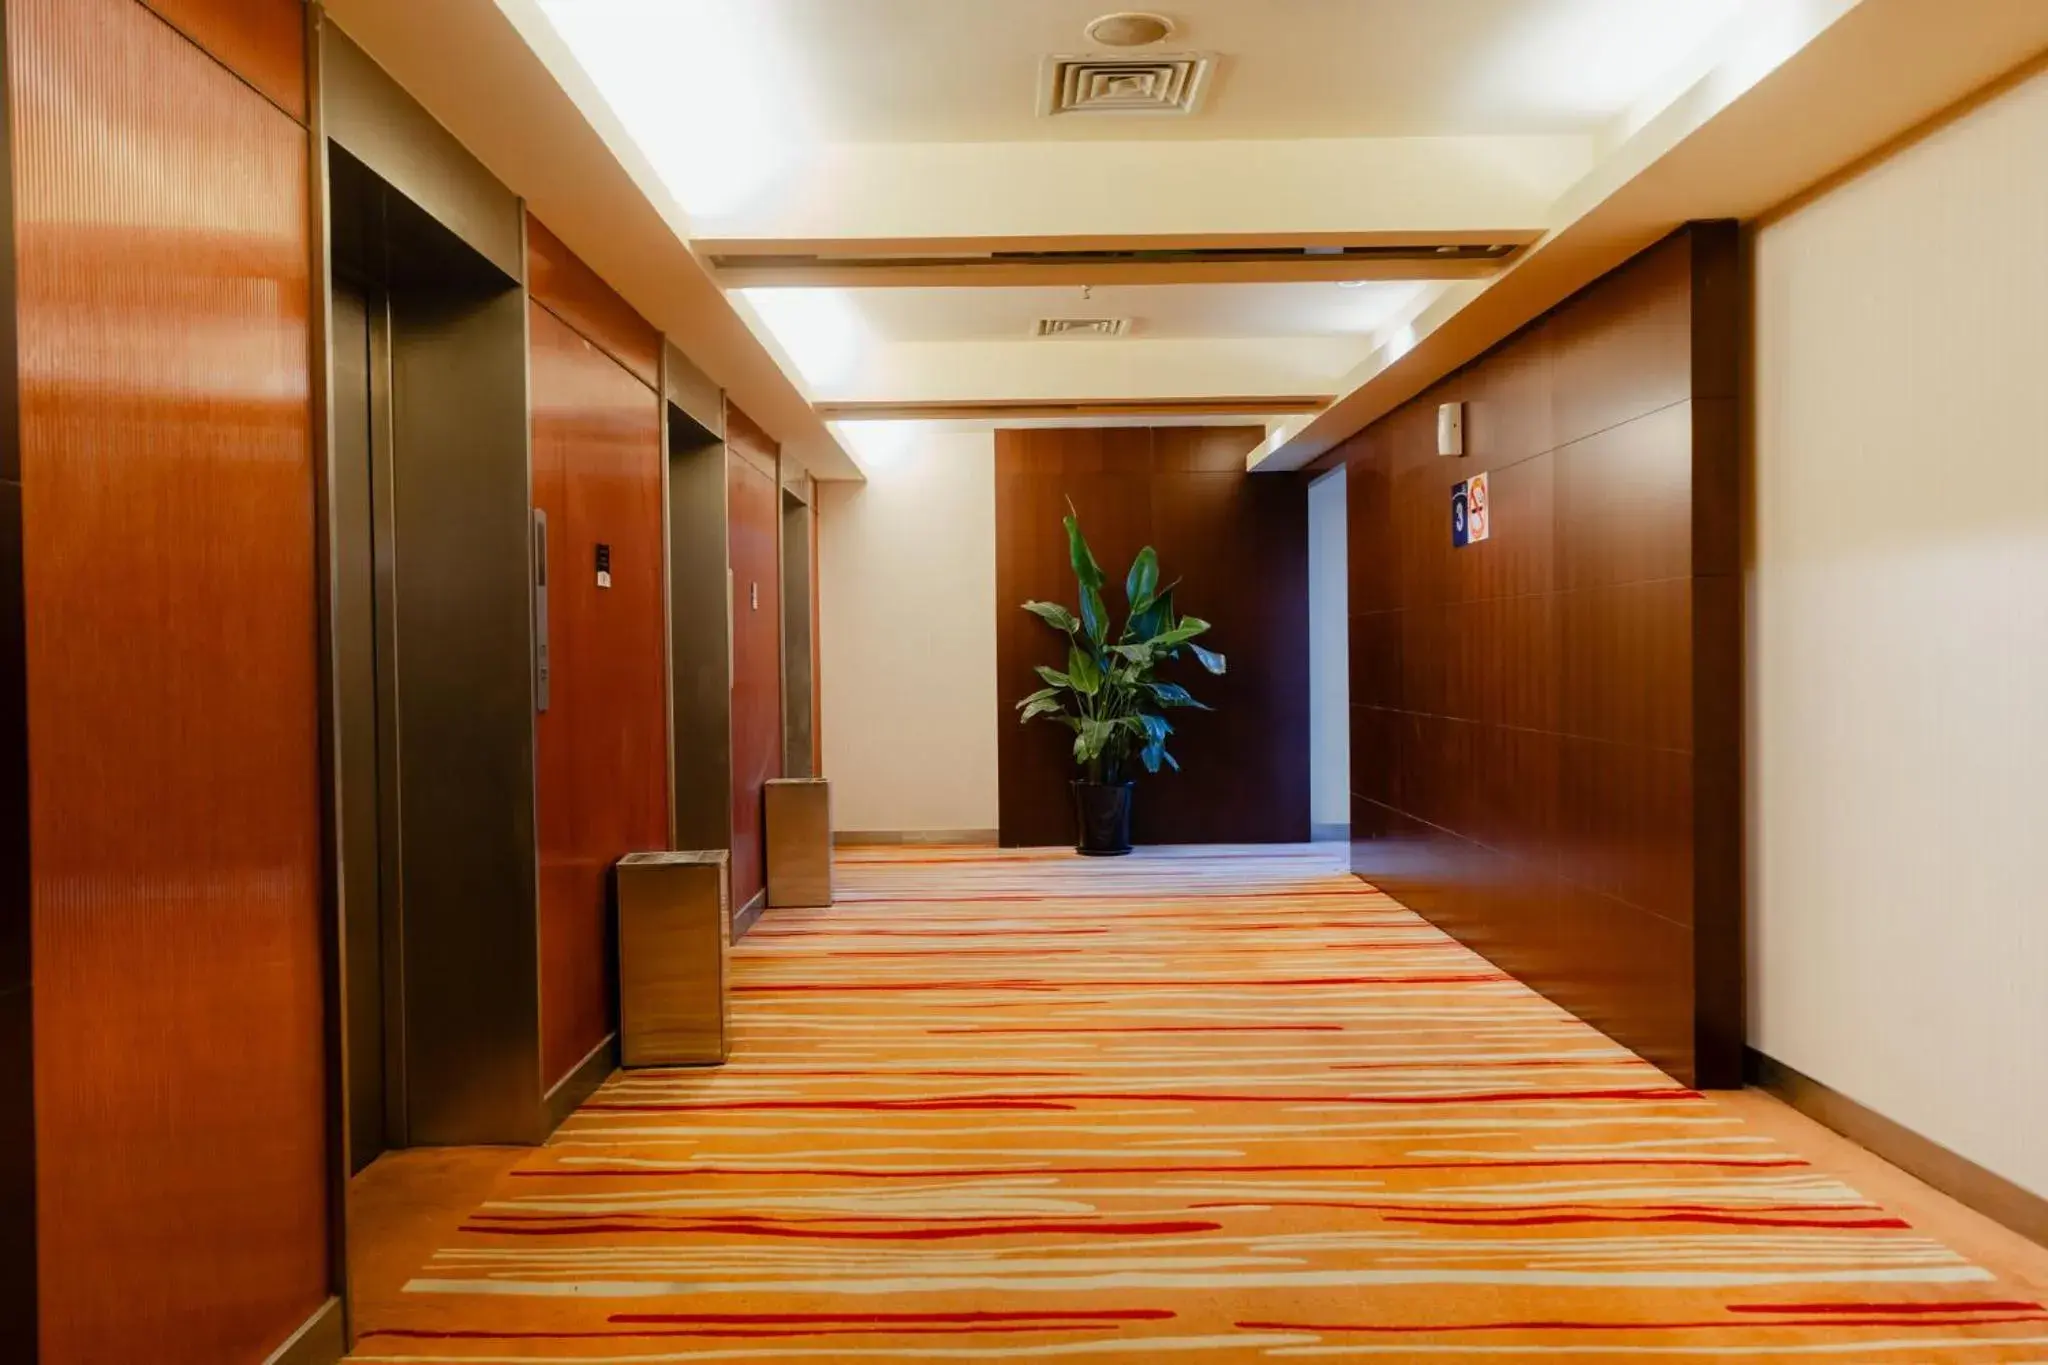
pixel 1450 428
pixel 604 565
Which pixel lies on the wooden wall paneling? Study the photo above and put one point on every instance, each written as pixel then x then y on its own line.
pixel 558 278
pixel 1543 759
pixel 601 745
pixel 168 549
pixel 754 503
pixel 17 1007
pixel 262 41
pixel 1240 547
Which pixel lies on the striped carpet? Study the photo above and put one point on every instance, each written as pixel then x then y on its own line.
pixel 1212 1105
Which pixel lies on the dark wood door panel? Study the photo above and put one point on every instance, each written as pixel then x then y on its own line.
pixel 167 475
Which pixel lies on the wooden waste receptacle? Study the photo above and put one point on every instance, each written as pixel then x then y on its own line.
pixel 799 819
pixel 675 922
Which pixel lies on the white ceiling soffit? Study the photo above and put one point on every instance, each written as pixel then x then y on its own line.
pixel 1800 90
pixel 968 71
pixel 519 102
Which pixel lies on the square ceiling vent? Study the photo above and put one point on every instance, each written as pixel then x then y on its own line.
pixel 1162 84
pixel 1083 327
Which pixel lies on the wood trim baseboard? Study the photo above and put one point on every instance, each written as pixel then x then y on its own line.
pixel 897 838
pixel 1961 1179
pixel 748 915
pixel 580 1084
pixel 320 1339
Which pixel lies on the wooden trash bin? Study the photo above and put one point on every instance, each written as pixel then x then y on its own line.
pixel 799 822
pixel 675 922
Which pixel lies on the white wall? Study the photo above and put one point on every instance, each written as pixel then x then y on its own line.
pixel 1898 709
pixel 907 638
pixel 1329 654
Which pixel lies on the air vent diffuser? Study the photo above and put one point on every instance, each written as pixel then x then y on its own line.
pixel 1083 327
pixel 1165 84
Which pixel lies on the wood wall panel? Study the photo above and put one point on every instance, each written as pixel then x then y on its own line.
pixel 754 509
pixel 602 743
pixel 262 41
pixel 1544 758
pixel 168 545
pixel 1239 544
pixel 558 278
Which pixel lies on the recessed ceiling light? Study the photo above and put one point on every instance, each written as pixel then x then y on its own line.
pixel 1352 284
pixel 1129 29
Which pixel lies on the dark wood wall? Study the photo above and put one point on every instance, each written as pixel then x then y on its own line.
pixel 754 509
pixel 603 742
pixel 1239 545
pixel 1545 726
pixel 167 542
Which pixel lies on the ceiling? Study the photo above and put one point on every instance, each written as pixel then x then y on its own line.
pixel 908 128
pixel 968 70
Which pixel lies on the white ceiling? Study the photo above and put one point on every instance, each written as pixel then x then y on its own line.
pixel 968 70
pixel 916 123
pixel 1156 311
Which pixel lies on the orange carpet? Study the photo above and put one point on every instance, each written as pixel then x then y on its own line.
pixel 1203 1106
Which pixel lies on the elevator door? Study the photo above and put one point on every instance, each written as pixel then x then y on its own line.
pixel 374 1117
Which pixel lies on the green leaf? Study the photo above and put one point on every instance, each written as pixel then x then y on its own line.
pixel 1053 676
pixel 1085 675
pixel 1155 617
pixel 1137 654
pixel 1094 616
pixel 1085 568
pixel 1091 738
pixel 1143 579
pixel 1040 706
pixel 1054 615
pixel 1040 695
pixel 1209 658
pixel 1172 694
pixel 1188 629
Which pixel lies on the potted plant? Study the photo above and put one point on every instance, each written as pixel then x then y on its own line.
pixel 1110 695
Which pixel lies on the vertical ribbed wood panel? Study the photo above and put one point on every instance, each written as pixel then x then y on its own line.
pixel 262 41
pixel 603 769
pixel 168 551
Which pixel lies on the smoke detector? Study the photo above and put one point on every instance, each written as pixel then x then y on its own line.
pixel 1082 327
pixel 1130 29
pixel 1168 83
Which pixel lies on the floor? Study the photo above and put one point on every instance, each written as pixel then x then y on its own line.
pixel 1210 1105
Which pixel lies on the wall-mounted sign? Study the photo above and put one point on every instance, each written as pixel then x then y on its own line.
pixel 1471 512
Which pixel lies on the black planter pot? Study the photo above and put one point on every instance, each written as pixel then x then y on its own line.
pixel 1102 811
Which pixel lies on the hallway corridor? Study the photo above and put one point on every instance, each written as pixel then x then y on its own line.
pixel 1210 1104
